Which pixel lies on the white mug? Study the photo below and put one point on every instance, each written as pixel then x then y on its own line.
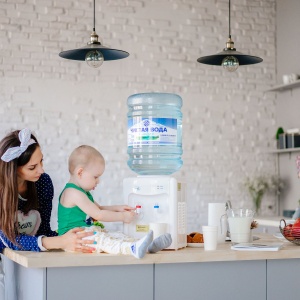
pixel 158 229
pixel 210 237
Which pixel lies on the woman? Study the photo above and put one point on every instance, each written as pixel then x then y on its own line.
pixel 26 194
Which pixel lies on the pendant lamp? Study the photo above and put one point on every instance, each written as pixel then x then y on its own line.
pixel 229 58
pixel 94 53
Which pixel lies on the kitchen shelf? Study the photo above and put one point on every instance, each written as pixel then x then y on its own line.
pixel 287 150
pixel 283 87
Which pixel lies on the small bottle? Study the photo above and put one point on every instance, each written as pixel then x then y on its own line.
pixel 154 133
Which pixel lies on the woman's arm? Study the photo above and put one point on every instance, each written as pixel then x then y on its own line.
pixel 23 243
pixel 71 241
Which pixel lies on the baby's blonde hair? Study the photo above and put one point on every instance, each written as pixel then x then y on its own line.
pixel 83 156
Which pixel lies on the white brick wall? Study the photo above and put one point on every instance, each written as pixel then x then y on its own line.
pixel 228 123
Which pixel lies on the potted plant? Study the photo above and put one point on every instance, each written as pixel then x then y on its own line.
pixel 278 133
pixel 258 186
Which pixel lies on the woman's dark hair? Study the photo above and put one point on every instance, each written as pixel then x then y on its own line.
pixel 9 185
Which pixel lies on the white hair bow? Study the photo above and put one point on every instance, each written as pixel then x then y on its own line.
pixel 14 152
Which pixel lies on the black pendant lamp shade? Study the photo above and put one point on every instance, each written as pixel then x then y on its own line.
pixel 94 53
pixel 229 58
pixel 219 57
pixel 80 53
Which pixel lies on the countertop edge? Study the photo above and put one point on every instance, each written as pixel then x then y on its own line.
pixel 56 259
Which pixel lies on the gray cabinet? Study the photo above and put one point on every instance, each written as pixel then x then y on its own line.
pixel 247 280
pixel 134 282
pixel 283 279
pixel 233 280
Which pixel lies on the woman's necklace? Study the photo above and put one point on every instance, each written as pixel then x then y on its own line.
pixel 22 198
pixel 23 189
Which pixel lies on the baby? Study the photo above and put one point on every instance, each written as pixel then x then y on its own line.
pixel 86 165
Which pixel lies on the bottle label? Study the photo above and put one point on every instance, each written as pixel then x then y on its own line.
pixel 152 131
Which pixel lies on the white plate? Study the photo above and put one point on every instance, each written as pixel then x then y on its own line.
pixel 195 245
pixel 278 235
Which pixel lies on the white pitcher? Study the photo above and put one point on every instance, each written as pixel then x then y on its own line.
pixel 239 224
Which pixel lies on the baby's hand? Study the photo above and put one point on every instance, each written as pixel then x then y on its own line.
pixel 128 216
pixel 122 208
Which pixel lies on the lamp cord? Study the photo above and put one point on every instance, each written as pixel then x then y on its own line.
pixel 229 22
pixel 94 17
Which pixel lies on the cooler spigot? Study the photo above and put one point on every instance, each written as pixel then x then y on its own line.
pixel 138 211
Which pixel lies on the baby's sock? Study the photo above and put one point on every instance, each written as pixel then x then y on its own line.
pixel 161 242
pixel 139 248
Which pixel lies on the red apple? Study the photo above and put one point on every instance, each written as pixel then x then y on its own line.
pixel 297 223
pixel 287 231
pixel 296 229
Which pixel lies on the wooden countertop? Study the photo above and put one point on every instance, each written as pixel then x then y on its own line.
pixel 187 255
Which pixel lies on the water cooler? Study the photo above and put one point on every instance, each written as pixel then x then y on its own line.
pixel 158 199
pixel 154 147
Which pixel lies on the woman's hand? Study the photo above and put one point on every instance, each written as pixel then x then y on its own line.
pixel 73 241
pixel 70 241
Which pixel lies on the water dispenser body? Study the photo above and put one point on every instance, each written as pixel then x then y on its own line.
pixel 157 199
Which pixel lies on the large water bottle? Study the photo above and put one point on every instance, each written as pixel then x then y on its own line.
pixel 154 133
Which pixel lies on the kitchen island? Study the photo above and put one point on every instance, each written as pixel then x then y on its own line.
pixel 189 273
